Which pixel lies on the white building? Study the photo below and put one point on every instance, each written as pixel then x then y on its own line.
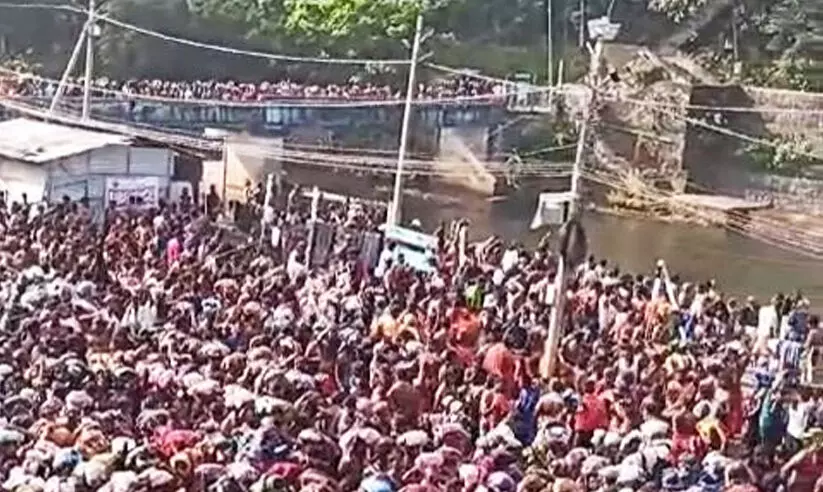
pixel 47 161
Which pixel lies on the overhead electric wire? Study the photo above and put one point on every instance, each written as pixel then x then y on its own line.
pixel 121 96
pixel 329 161
pixel 697 210
pixel 442 68
pixel 388 162
pixel 197 44
pixel 746 138
pixel 723 109
pixel 187 140
pixel 471 74
pixel 43 6
pixel 740 214
pixel 770 222
pixel 698 107
pixel 128 130
pixel 381 170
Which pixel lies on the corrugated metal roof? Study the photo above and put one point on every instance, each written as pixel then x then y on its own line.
pixel 38 142
pixel 175 140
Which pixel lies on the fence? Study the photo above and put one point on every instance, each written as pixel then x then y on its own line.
pixel 329 241
pixel 797 195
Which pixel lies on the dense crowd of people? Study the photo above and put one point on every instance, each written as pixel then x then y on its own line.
pixel 170 353
pixel 235 91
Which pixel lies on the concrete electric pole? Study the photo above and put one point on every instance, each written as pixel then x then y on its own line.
pixel 563 271
pixel 549 43
pixel 395 207
pixel 89 72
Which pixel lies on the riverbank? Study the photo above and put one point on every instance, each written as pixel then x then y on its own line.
pixel 667 217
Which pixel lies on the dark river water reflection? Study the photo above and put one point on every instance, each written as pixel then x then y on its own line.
pixel 741 265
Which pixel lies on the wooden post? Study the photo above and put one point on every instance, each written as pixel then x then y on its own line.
pixel 315 205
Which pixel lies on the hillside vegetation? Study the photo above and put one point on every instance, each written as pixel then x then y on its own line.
pixel 777 41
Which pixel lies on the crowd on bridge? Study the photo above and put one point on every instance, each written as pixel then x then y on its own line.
pixel 249 92
pixel 163 351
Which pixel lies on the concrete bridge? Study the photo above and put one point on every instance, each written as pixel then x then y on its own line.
pixel 455 135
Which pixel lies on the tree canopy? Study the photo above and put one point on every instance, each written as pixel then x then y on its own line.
pixel 778 39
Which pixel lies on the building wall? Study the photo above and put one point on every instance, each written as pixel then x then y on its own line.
pixel 249 159
pixel 85 175
pixel 18 178
pixel 720 162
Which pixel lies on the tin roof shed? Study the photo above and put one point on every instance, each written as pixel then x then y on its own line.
pixel 37 142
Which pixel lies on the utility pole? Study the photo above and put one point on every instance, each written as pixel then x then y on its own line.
pixel 552 344
pixel 64 79
pixel 90 27
pixel 582 34
pixel 267 213
pixel 395 208
pixel 315 209
pixel 549 44
pixel 735 46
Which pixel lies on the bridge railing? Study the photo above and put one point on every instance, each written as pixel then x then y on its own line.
pixel 282 113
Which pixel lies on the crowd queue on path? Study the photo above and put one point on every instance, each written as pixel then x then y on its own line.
pixel 232 91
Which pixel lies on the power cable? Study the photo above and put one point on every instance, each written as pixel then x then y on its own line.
pixel 697 107
pixel 323 160
pixel 661 197
pixel 197 44
pixel 105 126
pixel 119 95
pixel 778 228
pixel 252 53
pixel 695 210
pixel 442 68
pixel 351 162
pixel 471 74
pixel 383 170
pixel 43 6
pixel 721 109
pixel 778 224
pixel 734 134
pixel 733 213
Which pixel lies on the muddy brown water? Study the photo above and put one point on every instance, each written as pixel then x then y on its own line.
pixel 741 265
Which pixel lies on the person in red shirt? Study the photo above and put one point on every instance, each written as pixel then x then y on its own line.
pixel 685 438
pixel 494 406
pixel 592 414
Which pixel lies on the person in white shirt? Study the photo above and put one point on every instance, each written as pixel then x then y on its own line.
pixel 699 301
pixel 384 261
pixel 799 413
pixel 510 258
pixel 767 323
pixel 158 222
pixel 294 266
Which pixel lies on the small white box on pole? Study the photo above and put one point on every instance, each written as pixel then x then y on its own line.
pixel 553 208
pixel 603 28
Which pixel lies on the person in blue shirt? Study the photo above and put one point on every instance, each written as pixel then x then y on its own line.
pixel 773 418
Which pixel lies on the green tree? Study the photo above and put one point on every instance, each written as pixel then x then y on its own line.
pixel 333 27
pixel 677 10
pixel 790 155
pixel 40 34
pixel 496 36
pixel 123 53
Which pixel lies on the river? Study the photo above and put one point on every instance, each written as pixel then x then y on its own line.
pixel 740 265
